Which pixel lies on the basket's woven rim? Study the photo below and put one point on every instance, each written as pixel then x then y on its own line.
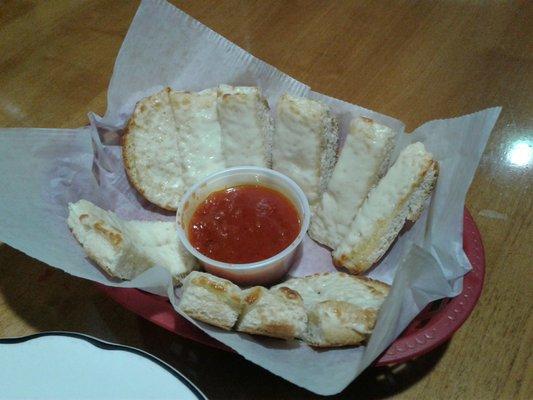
pixel 438 330
pixel 449 319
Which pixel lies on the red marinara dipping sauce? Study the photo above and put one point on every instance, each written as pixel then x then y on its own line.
pixel 244 224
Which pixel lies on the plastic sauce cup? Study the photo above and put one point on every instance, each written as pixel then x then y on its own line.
pixel 256 273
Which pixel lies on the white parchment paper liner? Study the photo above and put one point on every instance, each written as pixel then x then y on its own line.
pixel 44 169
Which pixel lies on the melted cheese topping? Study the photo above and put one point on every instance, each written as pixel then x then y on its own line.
pixel 159 241
pixel 364 158
pixel 199 134
pixel 298 142
pixel 338 287
pixel 243 115
pixel 383 201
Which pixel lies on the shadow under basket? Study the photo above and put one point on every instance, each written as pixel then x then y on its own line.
pixel 432 327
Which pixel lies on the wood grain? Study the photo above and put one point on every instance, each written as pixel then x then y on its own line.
pixel 415 61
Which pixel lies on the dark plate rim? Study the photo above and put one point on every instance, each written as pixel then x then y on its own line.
pixel 104 345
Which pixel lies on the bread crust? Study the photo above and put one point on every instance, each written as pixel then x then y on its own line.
pixel 277 330
pixel 130 154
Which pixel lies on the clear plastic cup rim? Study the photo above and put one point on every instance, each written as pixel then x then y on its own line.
pixel 297 192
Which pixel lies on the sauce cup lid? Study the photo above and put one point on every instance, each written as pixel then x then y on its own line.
pixel 279 180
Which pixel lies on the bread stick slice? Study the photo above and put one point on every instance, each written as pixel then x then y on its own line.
pixel 124 249
pixel 276 313
pixel 150 152
pixel 338 323
pixel 399 196
pixel 247 126
pixel 199 138
pixel 341 308
pixel 305 143
pixel 364 159
pixel 211 299
pixel 338 286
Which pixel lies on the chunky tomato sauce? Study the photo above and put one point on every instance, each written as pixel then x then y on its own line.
pixel 244 224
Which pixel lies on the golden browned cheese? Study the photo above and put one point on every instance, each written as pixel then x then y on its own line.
pixel 289 293
pixel 114 237
pixel 217 288
pixel 253 296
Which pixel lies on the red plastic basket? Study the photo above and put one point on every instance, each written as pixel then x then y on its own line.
pixel 432 327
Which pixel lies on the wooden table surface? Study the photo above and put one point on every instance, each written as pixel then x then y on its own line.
pixel 415 61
